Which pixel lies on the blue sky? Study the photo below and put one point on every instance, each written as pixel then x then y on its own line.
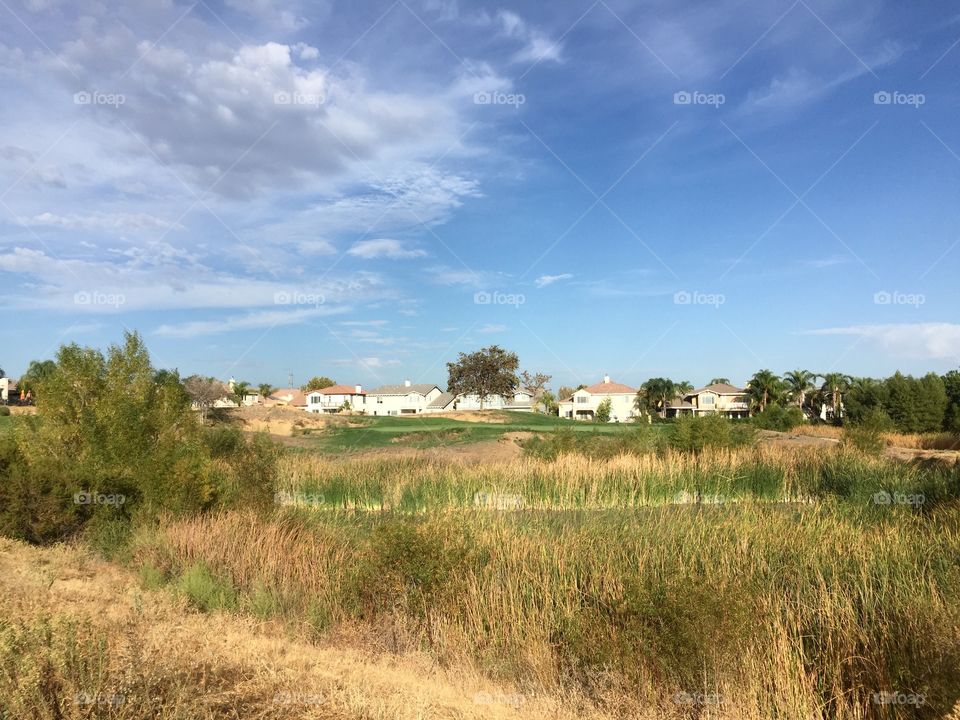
pixel 362 190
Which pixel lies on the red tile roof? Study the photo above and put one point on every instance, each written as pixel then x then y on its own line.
pixel 607 388
pixel 341 390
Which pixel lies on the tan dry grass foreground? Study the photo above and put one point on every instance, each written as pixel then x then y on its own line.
pixel 79 638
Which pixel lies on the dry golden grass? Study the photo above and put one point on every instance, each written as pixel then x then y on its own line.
pixel 917 441
pixel 80 639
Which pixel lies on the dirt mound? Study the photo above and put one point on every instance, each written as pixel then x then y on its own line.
pixel 281 420
pixel 497 417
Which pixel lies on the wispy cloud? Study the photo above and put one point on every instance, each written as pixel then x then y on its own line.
pixel 545 280
pixel 492 328
pixel 932 340
pixel 384 248
pixel 251 321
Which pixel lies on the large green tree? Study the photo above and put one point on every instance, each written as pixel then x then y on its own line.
pixel 654 395
pixel 765 387
pixel 835 384
pixel 799 385
pixel 38 371
pixel 317 383
pixel 486 372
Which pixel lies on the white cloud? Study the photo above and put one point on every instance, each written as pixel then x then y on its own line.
pixel 491 328
pixel 119 222
pixel 933 340
pixel 251 321
pixel 545 280
pixel 537 46
pixel 384 247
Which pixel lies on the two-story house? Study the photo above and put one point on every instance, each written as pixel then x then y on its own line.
pixel 583 404
pixel 521 400
pixel 335 398
pixel 406 399
pixel 721 398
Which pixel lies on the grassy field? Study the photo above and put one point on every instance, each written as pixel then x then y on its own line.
pixel 789 591
pixel 364 433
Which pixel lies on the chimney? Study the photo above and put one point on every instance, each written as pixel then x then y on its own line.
pixel 406 383
pixel 606 378
pixel 358 389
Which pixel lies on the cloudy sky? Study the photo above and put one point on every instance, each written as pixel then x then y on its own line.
pixel 361 190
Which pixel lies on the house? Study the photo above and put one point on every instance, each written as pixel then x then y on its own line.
pixel 4 389
pixel 722 398
pixel 521 401
pixel 406 399
pixel 291 397
pixel 335 398
pixel 583 404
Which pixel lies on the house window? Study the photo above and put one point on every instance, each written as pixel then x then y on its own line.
pixel 707 400
pixel 582 399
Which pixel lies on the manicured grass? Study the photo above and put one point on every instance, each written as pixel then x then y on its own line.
pixel 6 424
pixel 421 431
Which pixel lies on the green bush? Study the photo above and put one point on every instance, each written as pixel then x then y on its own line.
pixel 4 411
pixel 867 435
pixel 779 418
pixel 205 591
pixel 131 432
pixel 693 433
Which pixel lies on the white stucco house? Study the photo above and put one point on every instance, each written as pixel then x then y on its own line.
pixel 583 404
pixel 521 400
pixel 335 398
pixel 4 389
pixel 404 399
pixel 718 398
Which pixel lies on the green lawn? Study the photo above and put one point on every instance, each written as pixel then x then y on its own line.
pixel 422 432
pixel 6 424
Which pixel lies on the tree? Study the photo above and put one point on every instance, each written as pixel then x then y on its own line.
pixel 486 372
pixel 317 383
pixel 264 389
pixel 932 403
pixel 720 381
pixel 834 386
pixel 655 393
pixel 549 403
pixel 535 383
pixel 764 387
pixel 799 384
pixel 204 392
pixel 951 384
pixel 684 387
pixel 865 397
pixel 566 391
pixel 240 391
pixel 602 413
pixel 38 371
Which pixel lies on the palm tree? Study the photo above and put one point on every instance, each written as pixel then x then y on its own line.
pixel 764 387
pixel 265 389
pixel 720 381
pixel 240 391
pixel 799 385
pixel 37 372
pixel 684 387
pixel 658 392
pixel 834 385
